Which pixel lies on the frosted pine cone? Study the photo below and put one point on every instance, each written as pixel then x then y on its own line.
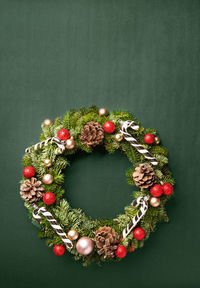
pixel 31 190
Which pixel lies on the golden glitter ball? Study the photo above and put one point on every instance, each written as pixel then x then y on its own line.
pixel 118 137
pixel 47 122
pixel 154 202
pixel 157 140
pixel 103 112
pixel 70 143
pixel 47 179
pixel 47 162
pixel 72 234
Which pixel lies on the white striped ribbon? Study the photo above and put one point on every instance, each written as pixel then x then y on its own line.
pixel 57 141
pixel 58 229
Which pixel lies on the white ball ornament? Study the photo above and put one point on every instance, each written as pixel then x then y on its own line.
pixel 84 246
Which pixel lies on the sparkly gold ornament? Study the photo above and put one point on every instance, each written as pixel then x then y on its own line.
pixel 47 179
pixel 70 143
pixel 47 122
pixel 154 202
pixel 103 112
pixel 72 234
pixel 118 137
pixel 47 162
pixel 157 140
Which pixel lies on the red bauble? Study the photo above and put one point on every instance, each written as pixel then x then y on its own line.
pixel 167 188
pixel 156 190
pixel 29 171
pixel 121 251
pixel 149 138
pixel 58 250
pixel 63 134
pixel 109 127
pixel 49 198
pixel 139 233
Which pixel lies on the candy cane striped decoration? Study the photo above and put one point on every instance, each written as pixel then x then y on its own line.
pixel 131 124
pixel 143 201
pixel 53 223
pixel 39 145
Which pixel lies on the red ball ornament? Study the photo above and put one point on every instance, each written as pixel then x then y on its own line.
pixel 149 138
pixel 109 127
pixel 167 188
pixel 121 251
pixel 49 198
pixel 58 250
pixel 156 190
pixel 139 233
pixel 63 134
pixel 29 171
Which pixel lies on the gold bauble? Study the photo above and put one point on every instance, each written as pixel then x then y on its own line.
pixel 154 202
pixel 118 137
pixel 157 140
pixel 47 122
pixel 72 234
pixel 70 143
pixel 47 162
pixel 47 179
pixel 103 111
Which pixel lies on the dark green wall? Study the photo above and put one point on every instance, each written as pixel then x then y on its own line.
pixel 142 56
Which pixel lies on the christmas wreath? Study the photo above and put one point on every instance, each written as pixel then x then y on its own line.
pixel 67 228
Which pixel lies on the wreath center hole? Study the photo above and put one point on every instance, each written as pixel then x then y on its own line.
pixel 96 183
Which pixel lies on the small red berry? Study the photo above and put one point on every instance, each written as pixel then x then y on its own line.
pixel 149 138
pixel 58 250
pixel 49 198
pixel 29 171
pixel 167 188
pixel 63 134
pixel 139 233
pixel 156 190
pixel 109 127
pixel 121 251
pixel 131 248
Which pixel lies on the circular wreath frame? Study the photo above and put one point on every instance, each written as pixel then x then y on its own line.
pixel 72 218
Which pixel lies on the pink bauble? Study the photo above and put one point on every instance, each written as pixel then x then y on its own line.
pixel 84 246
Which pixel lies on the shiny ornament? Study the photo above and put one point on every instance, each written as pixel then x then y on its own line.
pixel 118 137
pixel 58 250
pixel 167 188
pixel 49 198
pixel 103 112
pixel 47 163
pixel 47 179
pixel 154 202
pixel 109 127
pixel 72 234
pixel 121 251
pixel 139 233
pixel 70 143
pixel 156 190
pixel 131 248
pixel 47 122
pixel 29 171
pixel 84 246
pixel 157 140
pixel 149 138
pixel 63 134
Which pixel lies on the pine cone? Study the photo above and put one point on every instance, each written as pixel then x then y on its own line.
pixel 31 190
pixel 144 176
pixel 92 134
pixel 106 239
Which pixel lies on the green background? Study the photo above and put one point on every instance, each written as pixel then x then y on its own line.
pixel 141 56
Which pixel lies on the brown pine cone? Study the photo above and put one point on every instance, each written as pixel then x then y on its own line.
pixel 106 240
pixel 92 134
pixel 144 176
pixel 31 190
